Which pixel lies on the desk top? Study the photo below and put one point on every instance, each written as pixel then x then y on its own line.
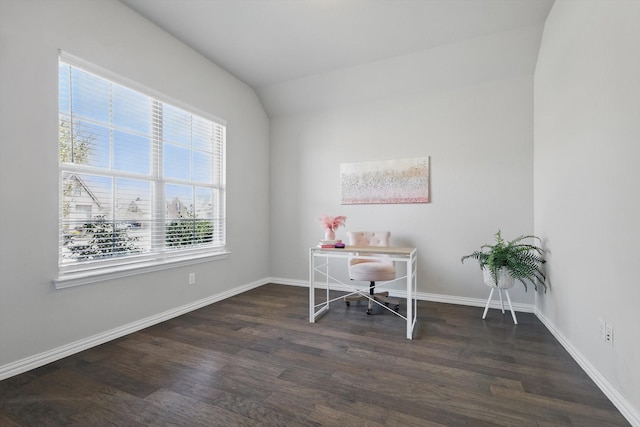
pixel 391 250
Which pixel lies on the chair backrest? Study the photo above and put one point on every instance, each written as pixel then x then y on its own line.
pixel 369 238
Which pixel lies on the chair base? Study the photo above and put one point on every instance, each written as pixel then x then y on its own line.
pixel 381 297
pixel 486 308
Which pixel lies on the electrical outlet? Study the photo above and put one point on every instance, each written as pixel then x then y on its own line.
pixel 609 335
pixel 603 330
pixel 192 278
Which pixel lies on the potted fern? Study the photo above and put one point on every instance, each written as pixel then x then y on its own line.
pixel 507 261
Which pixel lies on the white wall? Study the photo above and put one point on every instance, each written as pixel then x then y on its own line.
pixel 34 317
pixel 493 57
pixel 587 182
pixel 477 127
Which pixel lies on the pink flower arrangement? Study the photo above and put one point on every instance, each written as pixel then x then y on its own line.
pixel 331 223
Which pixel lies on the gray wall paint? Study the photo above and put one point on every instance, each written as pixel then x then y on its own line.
pixel 478 133
pixel 34 317
pixel 469 62
pixel 587 181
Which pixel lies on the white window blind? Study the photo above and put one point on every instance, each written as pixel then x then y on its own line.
pixel 140 179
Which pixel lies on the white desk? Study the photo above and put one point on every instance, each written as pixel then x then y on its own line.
pixel 319 264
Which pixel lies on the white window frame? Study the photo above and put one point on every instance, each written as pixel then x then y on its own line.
pixel 79 273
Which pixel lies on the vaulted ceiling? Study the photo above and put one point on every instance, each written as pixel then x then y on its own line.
pixel 268 43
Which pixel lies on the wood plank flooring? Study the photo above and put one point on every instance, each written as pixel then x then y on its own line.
pixel 255 360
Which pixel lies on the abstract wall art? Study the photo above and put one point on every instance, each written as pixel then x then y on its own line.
pixel 387 181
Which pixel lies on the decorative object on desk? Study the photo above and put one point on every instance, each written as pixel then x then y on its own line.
pixel 328 244
pixel 329 234
pixel 504 262
pixel 330 224
pixel 388 181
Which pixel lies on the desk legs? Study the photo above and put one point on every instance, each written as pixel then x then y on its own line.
pixel 313 314
pixel 312 292
pixel 411 281
pixel 412 288
pixel 410 297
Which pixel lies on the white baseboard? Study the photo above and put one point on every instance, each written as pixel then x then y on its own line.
pixel 41 359
pixel 422 296
pixel 625 408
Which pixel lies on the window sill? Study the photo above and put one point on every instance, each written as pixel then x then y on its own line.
pixel 117 272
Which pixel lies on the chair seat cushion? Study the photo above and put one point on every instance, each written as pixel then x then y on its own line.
pixel 372 271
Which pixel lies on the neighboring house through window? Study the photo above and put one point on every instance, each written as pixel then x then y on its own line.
pixel 142 180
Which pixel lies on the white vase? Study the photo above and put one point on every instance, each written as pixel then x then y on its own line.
pixel 505 280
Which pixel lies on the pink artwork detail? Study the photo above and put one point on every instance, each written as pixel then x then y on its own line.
pixel 389 181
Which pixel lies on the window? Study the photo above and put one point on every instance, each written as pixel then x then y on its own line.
pixel 141 180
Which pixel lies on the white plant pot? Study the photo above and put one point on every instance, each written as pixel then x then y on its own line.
pixel 505 280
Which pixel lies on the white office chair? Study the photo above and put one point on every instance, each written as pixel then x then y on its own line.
pixel 379 270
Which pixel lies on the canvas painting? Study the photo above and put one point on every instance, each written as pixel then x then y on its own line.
pixel 388 181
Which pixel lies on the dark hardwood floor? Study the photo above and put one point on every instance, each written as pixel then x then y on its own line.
pixel 255 359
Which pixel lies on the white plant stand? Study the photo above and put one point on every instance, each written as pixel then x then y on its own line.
pixel 505 282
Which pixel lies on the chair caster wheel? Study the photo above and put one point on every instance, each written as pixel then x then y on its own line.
pixel 348 303
pixel 368 311
pixel 396 307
